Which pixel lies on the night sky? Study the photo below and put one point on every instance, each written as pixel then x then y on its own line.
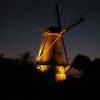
pixel 22 21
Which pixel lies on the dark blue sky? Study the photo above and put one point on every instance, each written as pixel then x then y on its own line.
pixel 21 22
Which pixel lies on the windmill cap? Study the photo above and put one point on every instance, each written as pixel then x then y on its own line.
pixel 53 29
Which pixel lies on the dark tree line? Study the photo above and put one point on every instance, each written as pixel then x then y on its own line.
pixel 90 69
pixel 21 75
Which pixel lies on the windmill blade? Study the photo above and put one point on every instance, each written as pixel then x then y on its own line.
pixel 65 50
pixel 75 24
pixel 59 25
pixel 58 17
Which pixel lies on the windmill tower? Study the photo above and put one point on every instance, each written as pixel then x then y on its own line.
pixel 52 52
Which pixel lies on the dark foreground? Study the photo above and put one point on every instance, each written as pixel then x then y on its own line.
pixel 19 81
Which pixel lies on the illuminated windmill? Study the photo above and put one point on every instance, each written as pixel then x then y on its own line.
pixel 52 52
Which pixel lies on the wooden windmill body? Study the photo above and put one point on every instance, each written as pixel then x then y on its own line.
pixel 52 47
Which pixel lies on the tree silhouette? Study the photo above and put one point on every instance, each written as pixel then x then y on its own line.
pixel 25 57
pixel 96 68
pixel 84 64
pixel 1 55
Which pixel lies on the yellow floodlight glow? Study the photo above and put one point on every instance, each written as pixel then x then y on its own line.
pixel 42 68
pixel 60 77
pixel 60 69
pixel 40 50
pixel 67 68
pixel 62 73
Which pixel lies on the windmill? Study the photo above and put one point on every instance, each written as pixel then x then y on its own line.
pixel 52 50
